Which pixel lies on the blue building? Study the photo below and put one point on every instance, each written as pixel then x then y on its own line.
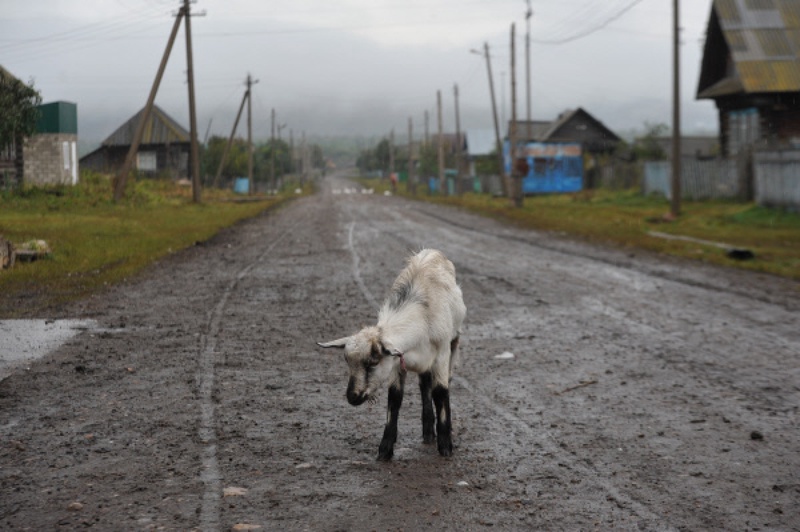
pixel 553 167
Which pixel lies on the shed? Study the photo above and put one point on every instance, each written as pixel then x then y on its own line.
pixel 164 149
pixel 751 69
pixel 51 154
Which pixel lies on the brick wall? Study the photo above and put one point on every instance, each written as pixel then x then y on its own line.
pixel 51 159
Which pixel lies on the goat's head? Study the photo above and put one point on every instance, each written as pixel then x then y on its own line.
pixel 371 362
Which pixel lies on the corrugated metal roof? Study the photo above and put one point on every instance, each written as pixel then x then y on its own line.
pixel 159 129
pixel 763 37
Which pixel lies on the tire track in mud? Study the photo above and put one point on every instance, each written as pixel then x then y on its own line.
pixel 536 435
pixel 357 269
pixel 204 377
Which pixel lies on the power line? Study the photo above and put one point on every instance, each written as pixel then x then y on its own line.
pixel 591 30
pixel 57 45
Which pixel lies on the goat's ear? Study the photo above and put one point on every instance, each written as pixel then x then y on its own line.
pixel 340 343
pixel 388 350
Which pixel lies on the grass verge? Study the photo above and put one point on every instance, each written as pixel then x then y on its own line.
pixel 96 243
pixel 627 219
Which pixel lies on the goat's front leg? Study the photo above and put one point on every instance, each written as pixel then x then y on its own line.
pixel 428 417
pixel 441 399
pixel 386 449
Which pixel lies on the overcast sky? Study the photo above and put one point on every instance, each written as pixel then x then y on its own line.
pixel 358 66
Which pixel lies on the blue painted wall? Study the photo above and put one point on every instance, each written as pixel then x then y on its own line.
pixel 554 167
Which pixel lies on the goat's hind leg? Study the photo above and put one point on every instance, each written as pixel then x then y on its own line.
pixel 386 449
pixel 428 417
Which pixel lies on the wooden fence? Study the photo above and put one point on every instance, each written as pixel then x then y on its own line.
pixel 712 179
pixel 776 178
pixel 771 178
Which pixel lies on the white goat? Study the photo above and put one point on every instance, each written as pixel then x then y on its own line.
pixel 418 329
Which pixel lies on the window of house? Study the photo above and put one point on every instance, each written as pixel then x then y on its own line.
pixel 146 161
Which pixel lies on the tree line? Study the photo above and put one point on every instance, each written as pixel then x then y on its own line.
pixel 236 162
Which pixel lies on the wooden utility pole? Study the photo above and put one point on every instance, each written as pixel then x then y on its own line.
pixel 501 165
pixel 391 153
pixel 528 14
pixel 515 177
pixel 251 184
pixel 230 138
pixel 412 186
pixel 427 136
pixel 303 159
pixel 292 155
pixel 675 203
pixel 272 152
pixel 194 150
pixel 122 177
pixel 441 143
pixel 459 143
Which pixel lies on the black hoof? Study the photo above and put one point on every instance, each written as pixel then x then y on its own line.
pixel 385 457
pixel 446 448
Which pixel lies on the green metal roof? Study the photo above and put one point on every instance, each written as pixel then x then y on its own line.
pixel 58 117
pixel 763 40
pixel 159 129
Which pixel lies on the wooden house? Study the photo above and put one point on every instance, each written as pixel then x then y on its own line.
pixel 571 126
pixel 751 69
pixel 163 151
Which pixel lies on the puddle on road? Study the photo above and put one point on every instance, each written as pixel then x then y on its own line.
pixel 22 341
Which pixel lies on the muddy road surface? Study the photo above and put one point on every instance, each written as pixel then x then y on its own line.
pixel 597 389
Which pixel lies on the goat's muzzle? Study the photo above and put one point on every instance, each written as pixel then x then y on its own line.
pixel 353 397
pixel 356 400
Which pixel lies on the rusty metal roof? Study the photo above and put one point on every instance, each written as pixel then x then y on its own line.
pixel 159 129
pixel 762 39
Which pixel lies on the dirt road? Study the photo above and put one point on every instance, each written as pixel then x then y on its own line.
pixel 643 393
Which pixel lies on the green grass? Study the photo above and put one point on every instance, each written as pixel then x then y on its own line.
pixel 96 243
pixel 624 219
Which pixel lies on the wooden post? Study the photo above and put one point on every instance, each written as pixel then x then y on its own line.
pixel 427 136
pixel 412 186
pixel 528 14
pixel 230 139
pixel 442 183
pixel 501 166
pixel 122 177
pixel 675 203
pixel 252 187
pixel 459 145
pixel 272 152
pixel 194 150
pixel 516 179
pixel 7 254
